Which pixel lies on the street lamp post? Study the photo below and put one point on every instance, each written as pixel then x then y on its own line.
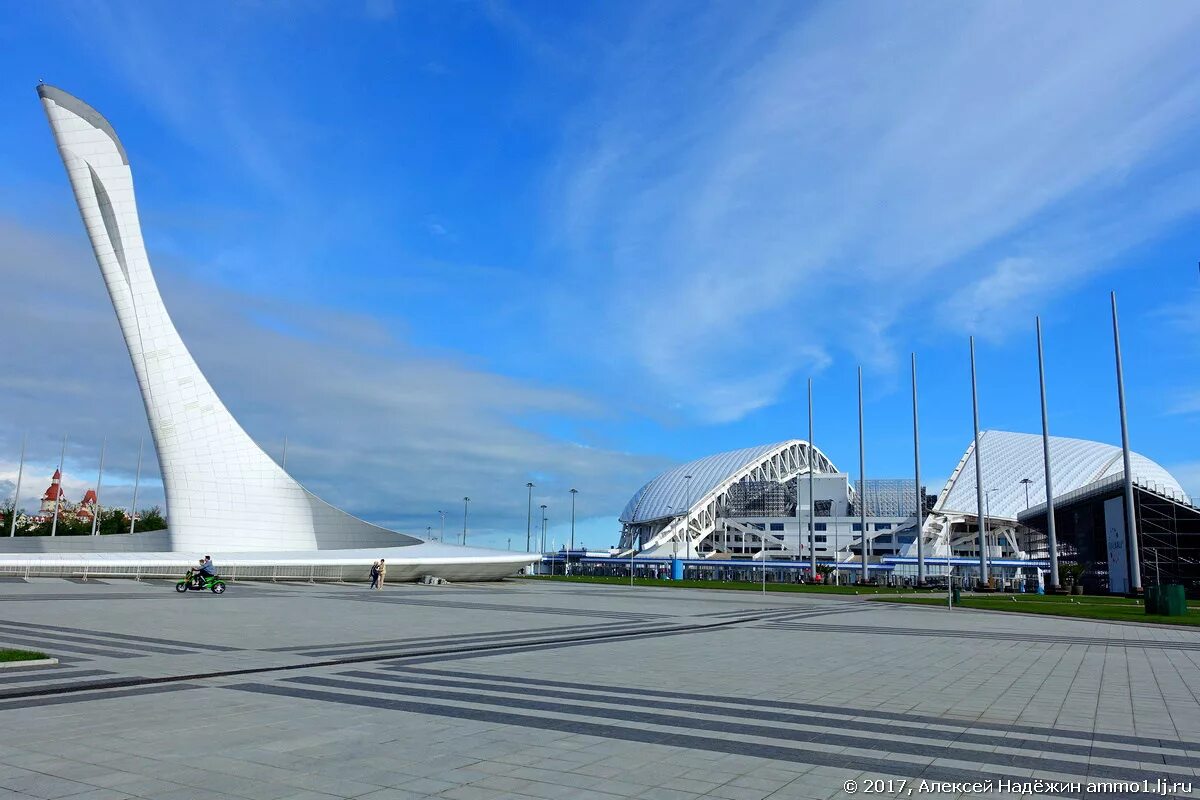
pixel 466 504
pixel 529 517
pixel 573 493
pixel 542 548
pixel 442 536
pixel 1025 482
pixel 428 532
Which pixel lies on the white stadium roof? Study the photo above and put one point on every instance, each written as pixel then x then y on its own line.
pixel 1010 457
pixel 665 496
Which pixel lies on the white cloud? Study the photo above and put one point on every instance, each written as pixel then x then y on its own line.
pixel 781 182
pixel 373 425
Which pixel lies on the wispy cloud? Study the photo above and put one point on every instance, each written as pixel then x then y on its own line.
pixel 788 182
pixel 373 424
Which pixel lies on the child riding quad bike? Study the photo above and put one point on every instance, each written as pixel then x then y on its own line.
pixel 196 581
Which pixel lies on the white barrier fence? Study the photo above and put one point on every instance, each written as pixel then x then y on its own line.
pixel 308 573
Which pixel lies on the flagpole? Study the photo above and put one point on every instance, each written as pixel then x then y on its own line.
pixel 99 479
pixel 58 494
pixel 12 525
pixel 136 480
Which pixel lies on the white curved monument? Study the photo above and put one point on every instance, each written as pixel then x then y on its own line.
pixel 224 494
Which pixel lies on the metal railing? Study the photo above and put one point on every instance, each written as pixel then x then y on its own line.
pixel 305 573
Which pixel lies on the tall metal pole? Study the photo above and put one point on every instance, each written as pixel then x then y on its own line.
pixel 687 516
pixel 979 515
pixel 442 537
pixel 573 493
pixel 12 524
pixel 1135 566
pixel 99 479
pixel 862 477
pixel 1052 539
pixel 284 464
pixel 58 494
pixel 466 503
pixel 917 471
pixel 542 545
pixel 137 479
pixel 529 518
pixel 812 500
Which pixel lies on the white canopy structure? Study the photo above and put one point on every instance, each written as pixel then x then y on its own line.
pixel 678 509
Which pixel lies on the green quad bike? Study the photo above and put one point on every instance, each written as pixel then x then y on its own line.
pixel 197 583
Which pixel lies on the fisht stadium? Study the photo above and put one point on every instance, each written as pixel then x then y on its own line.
pixel 753 505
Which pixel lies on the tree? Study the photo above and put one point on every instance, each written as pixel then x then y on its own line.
pixel 151 519
pixel 112 520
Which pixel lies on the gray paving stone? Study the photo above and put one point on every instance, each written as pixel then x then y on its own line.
pixel 659 716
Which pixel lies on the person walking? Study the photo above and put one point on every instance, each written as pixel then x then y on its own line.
pixel 380 572
pixel 375 575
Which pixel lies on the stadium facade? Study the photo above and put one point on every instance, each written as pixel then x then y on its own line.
pixel 224 495
pixel 753 505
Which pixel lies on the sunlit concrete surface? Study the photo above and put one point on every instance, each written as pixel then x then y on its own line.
pixel 521 689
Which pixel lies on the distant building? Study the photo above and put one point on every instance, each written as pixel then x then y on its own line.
pixel 84 510
pixel 54 492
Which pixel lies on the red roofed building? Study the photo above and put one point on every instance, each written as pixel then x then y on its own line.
pixel 87 506
pixel 54 492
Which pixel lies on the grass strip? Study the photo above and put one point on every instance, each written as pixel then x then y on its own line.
pixel 1117 609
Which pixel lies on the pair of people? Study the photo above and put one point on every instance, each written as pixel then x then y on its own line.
pixel 378 570
pixel 205 571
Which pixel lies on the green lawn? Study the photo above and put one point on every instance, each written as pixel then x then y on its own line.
pixel 743 586
pixel 1084 607
pixel 20 655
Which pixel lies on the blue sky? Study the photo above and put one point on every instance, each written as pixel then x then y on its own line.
pixel 447 248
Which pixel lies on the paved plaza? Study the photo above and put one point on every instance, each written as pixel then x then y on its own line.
pixel 532 689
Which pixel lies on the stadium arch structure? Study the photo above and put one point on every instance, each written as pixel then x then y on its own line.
pixel 225 496
pixel 677 514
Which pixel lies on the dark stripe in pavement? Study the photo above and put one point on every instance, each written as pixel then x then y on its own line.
pixel 53 637
pixel 473 638
pixel 730 745
pixel 51 673
pixel 765 712
pixel 817 708
pixel 377 597
pixel 107 635
pixel 1052 766
pixel 83 697
pixel 422 639
pixel 30 641
pixel 501 648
